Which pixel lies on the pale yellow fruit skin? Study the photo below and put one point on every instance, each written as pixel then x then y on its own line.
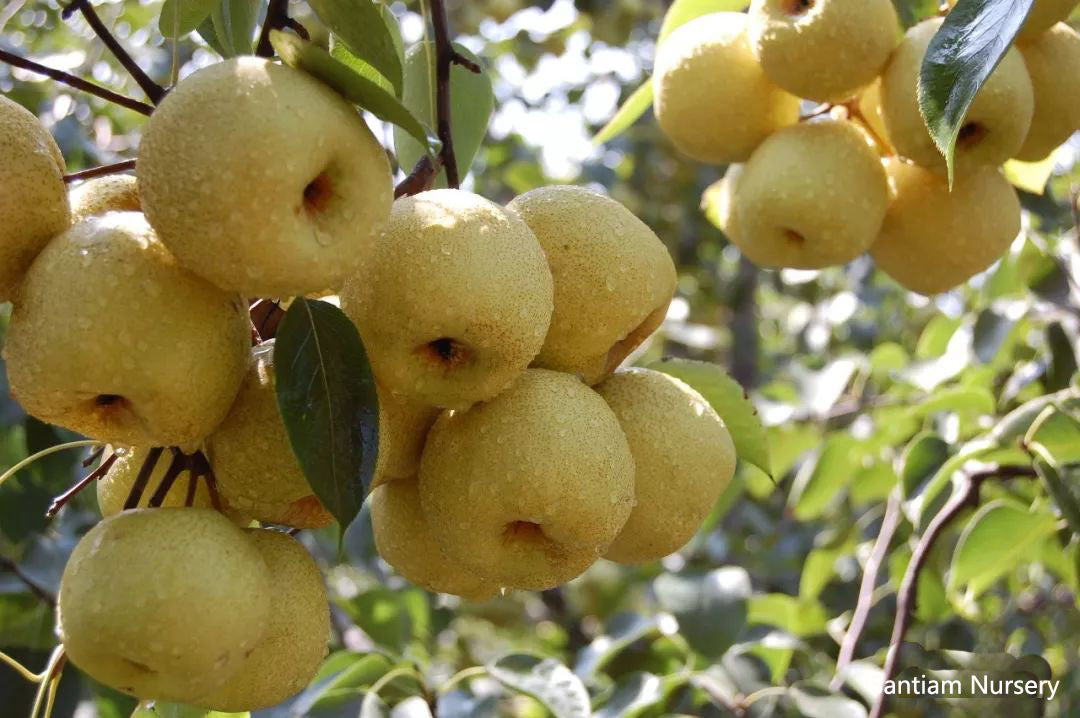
pixel 256 470
pixel 163 603
pixel 1053 61
pixel 406 542
pixel 1001 112
pixel 223 167
pixel 711 97
pixel 684 458
pixel 105 310
pixel 113 488
pixel 721 198
pixel 932 239
pixel 297 631
pixel 869 105
pixel 403 427
pixel 613 278
pixel 451 266
pixel 33 197
pixel 812 196
pixel 826 52
pixel 112 193
pixel 547 452
pixel 1044 15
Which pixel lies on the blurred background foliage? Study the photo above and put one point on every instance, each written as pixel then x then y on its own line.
pixel 867 391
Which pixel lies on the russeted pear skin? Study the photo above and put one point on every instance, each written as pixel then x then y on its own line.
pixel 114 486
pixel 684 458
pixel 163 603
pixel 112 338
pixel 405 541
pixel 403 427
pixel 996 123
pixel 529 489
pixel 932 239
pixel 1053 61
pixel 33 197
pixel 262 179
pixel 256 470
pixel 812 196
pixel 823 50
pixel 711 97
pixel 296 635
pixel 613 277
pixel 111 193
pixel 455 302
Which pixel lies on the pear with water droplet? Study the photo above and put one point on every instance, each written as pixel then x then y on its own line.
pixel 1053 61
pixel 112 193
pixel 403 427
pixel 1044 15
pixel 684 458
pixel 113 488
pixel 164 604
pixel 614 278
pixel 529 489
pixel 263 180
pixel 455 302
pixel 112 338
pixel 33 197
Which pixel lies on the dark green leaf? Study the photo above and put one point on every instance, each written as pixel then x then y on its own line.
pixel 622 630
pixel 1062 358
pixel 360 25
pixel 817 702
pixel 633 694
pixel 920 462
pixel 546 680
pixel 711 609
pixel 179 17
pixel 234 22
pixel 327 398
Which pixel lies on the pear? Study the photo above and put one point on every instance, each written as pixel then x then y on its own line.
pixel 529 489
pixel 163 604
pixel 711 97
pixel 403 427
pixel 719 201
pixel 111 193
pixel 812 196
pixel 296 634
pixel 111 338
pixel 823 50
pixel 456 301
pixel 1053 61
pixel 262 179
pixel 932 239
pixel 1044 15
pixel 33 197
pixel 113 488
pixel 996 123
pixel 614 278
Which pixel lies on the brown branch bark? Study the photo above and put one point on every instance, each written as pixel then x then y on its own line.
pixel 445 57
pixel 10 566
pixel 421 178
pixel 277 18
pixel 153 90
pixel 101 171
pixel 60 501
pixel 76 82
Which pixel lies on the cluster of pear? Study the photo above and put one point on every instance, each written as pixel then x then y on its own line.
pixel 512 454
pixel 818 191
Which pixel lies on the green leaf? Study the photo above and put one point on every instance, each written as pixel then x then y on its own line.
pixel 209 35
pixel 817 702
pixel 1014 425
pixel 1058 434
pixel 683 11
pixel 959 399
pixel 632 695
pixel 362 27
pixel 820 481
pixel 1030 176
pixel 326 395
pixel 818 569
pixel 473 103
pixel 234 22
pixel 546 680
pixel 799 617
pixel 636 105
pixel 179 17
pixel 1059 484
pixel 923 457
pixel 730 401
pixel 343 55
pixel 711 608
pixel 621 631
pixel 999 537
pixel 299 53
pixel 971 42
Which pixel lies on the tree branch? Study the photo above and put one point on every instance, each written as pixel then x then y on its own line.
pixel 445 57
pixel 8 565
pixel 966 495
pixel 421 178
pixel 76 82
pixel 153 90
pixel 277 18
pixel 60 501
pixel 101 171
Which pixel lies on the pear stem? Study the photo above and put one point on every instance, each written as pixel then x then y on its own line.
pixel 115 168
pixel 78 83
pixel 60 501
pixel 143 477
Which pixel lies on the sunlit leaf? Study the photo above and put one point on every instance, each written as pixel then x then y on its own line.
pixel 636 105
pixel 361 26
pixel 546 680
pixel 1030 176
pixel 234 23
pixel 711 608
pixel 179 17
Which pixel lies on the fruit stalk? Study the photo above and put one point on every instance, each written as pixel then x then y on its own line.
pixel 78 83
pixel 153 90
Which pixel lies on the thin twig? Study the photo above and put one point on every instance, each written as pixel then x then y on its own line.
pixel 966 495
pixel 141 479
pixel 8 565
pixel 115 168
pixel 60 501
pixel 76 82
pixel 889 525
pixel 421 178
pixel 153 90
pixel 445 57
pixel 277 18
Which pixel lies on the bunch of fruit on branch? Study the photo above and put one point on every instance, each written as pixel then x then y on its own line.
pixel 512 451
pixel 862 174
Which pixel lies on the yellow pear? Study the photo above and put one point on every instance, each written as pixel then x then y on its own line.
pixel 112 338
pixel 262 179
pixel 112 193
pixel 405 541
pixel 529 489
pixel 113 488
pixel 1044 15
pixel 812 196
pixel 33 198
pixel 711 97
pixel 683 457
pixel 403 427
pixel 256 470
pixel 163 603
pixel 1053 61
pixel 456 301
pixel 296 635
pixel 823 50
pixel 869 114
pixel 719 201
pixel 996 123
pixel 932 239
pixel 613 278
